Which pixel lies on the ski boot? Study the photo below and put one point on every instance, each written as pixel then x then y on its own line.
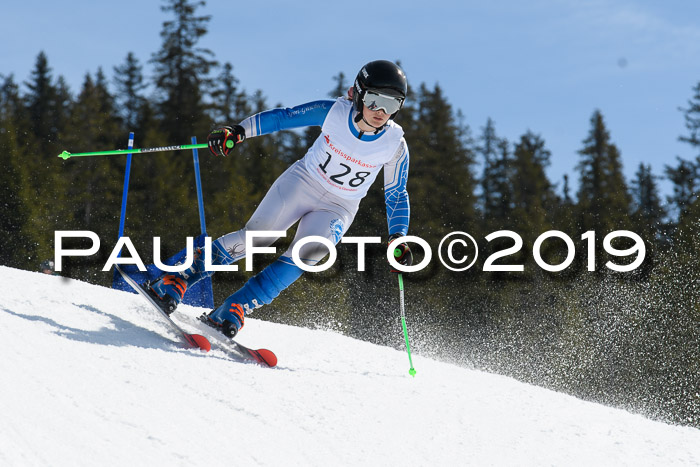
pixel 167 291
pixel 227 319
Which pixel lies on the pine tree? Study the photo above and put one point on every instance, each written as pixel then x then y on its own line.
pixel 341 86
pixel 687 236
pixel 182 73
pixel 129 81
pixel 603 199
pixel 685 177
pixel 229 102
pixel 692 120
pixel 566 191
pixel 686 182
pixel 47 106
pixel 63 106
pixel 41 101
pixel 502 182
pixel 564 214
pixel 13 210
pixel 96 192
pixel 441 166
pixel 491 202
pixel 533 195
pixel 648 212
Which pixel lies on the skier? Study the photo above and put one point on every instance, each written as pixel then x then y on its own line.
pixel 321 191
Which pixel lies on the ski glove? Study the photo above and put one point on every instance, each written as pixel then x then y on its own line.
pixel 402 253
pixel 222 140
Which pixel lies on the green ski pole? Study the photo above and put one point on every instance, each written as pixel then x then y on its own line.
pixel 65 154
pixel 412 371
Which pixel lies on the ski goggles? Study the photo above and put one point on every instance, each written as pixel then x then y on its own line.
pixel 375 101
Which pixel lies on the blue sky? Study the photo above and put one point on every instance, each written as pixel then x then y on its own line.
pixel 542 65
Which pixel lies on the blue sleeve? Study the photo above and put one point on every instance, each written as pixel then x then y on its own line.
pixel 269 121
pixel 398 209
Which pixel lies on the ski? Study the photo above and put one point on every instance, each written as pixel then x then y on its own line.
pixel 236 350
pixel 264 357
pixel 193 340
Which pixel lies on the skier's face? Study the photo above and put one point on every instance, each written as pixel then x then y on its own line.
pixel 376 118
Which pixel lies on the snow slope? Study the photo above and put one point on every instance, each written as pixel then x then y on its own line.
pixel 90 376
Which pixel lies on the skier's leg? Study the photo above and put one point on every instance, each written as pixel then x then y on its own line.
pixel 259 290
pixel 265 286
pixel 288 199
pixel 286 202
pixel 170 288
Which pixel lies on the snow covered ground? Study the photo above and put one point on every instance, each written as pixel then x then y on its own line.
pixel 90 376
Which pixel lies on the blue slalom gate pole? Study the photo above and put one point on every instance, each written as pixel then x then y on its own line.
pixel 125 195
pixel 125 192
pixel 198 182
pixel 201 293
pixel 203 289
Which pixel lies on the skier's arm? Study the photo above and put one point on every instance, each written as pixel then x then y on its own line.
pixel 269 121
pixel 398 210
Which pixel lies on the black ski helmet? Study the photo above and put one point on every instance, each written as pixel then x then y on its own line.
pixel 47 265
pixel 382 76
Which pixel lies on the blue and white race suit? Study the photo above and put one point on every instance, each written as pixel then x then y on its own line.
pixel 321 191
